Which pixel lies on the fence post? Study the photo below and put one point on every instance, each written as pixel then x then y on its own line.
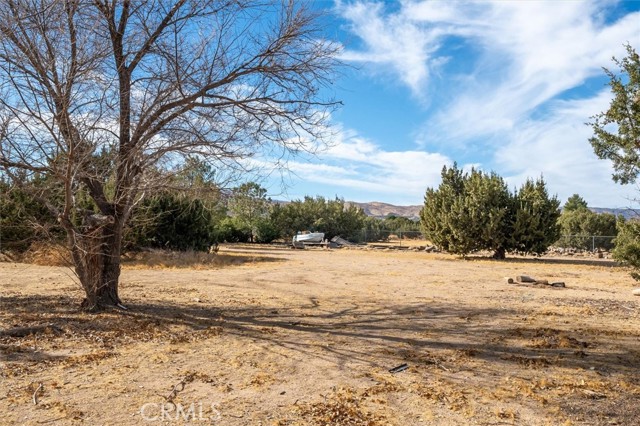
pixel 593 243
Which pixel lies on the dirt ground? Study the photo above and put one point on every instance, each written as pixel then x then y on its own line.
pixel 307 337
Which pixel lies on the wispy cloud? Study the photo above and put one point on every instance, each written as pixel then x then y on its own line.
pixel 556 147
pixel 391 41
pixel 523 45
pixel 524 58
pixel 532 53
pixel 355 163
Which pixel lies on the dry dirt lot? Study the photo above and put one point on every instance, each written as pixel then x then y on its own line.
pixel 283 337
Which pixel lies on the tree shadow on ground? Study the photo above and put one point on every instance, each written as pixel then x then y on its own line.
pixel 193 260
pixel 256 248
pixel 369 333
pixel 549 260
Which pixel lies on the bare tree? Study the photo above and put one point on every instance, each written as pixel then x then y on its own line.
pixel 102 97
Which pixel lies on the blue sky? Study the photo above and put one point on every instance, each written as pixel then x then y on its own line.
pixel 499 85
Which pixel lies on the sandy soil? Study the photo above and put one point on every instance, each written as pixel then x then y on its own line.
pixel 283 337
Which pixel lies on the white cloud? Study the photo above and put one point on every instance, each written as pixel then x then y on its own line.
pixel 557 148
pixel 391 41
pixel 540 50
pixel 353 162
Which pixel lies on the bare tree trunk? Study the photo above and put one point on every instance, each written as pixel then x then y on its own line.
pixel 96 255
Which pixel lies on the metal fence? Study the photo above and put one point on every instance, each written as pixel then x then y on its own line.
pixel 413 238
pixel 586 242
pixel 389 237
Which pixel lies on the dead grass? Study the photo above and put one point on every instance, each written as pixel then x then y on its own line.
pixel 342 407
pixel 50 254
pixel 284 337
pixel 164 259
pixel 46 254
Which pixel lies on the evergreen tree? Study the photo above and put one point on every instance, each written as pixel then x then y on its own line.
pixel 24 218
pixel 575 202
pixel 535 226
pixel 627 246
pixel 171 221
pixel 578 226
pixel 438 206
pixel 622 145
pixel 475 211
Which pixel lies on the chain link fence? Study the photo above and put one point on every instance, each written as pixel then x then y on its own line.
pixel 587 242
pixel 383 236
pixel 412 238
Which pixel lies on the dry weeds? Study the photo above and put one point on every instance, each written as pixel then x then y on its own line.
pixel 280 337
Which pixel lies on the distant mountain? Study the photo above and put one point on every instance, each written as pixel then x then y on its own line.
pixel 382 210
pixel 379 210
pixel 626 213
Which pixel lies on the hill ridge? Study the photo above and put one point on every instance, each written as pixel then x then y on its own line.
pixel 381 210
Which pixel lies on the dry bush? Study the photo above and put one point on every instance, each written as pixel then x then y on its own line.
pixel 159 259
pixel 46 254
pixel 506 414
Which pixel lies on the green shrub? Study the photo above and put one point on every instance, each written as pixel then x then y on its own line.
pixel 172 222
pixel 332 217
pixel 229 230
pixel 578 226
pixel 23 218
pixel 627 246
pixel 265 232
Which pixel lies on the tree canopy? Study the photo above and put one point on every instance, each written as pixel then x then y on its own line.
pixel 616 137
pixel 616 131
pixel 249 206
pixel 109 98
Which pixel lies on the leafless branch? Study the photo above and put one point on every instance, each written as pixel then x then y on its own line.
pixel 105 98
